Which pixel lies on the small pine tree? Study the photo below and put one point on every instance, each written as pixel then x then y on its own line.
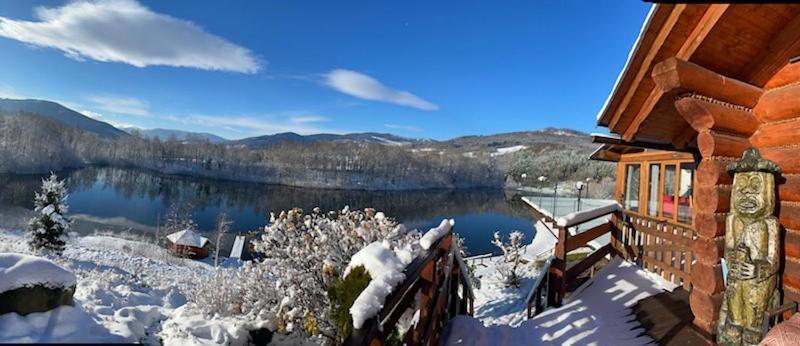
pixel 343 294
pixel 48 227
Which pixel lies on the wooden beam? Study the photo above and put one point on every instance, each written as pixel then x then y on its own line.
pixel 776 55
pixel 690 45
pixel 647 62
pixel 779 104
pixel 640 144
pixel 703 115
pixel 581 239
pixel 685 138
pixel 776 134
pixel 676 76
pixel 713 144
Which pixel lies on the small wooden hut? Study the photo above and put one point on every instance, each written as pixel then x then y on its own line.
pixel 188 243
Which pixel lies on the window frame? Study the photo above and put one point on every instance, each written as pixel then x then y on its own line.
pixel 644 161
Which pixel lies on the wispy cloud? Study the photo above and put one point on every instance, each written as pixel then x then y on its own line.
pixel 120 104
pixel 253 126
pixel 127 32
pixel 363 86
pixel 304 119
pixel 402 127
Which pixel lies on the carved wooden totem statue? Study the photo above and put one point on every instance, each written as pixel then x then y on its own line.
pixel 751 251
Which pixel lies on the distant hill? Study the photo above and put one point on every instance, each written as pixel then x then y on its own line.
pixel 64 115
pixel 164 134
pixel 267 141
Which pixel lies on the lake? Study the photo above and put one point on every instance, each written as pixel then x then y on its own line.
pixel 133 200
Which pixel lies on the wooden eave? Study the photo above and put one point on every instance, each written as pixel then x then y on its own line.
pixel 745 42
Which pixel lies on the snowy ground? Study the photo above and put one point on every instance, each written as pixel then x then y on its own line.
pixel 127 291
pixel 496 304
pixel 598 313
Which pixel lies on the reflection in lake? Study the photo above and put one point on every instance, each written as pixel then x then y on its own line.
pixel 118 199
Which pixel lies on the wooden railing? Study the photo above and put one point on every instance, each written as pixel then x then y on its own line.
pixel 539 290
pixel 560 279
pixel 657 246
pixel 440 278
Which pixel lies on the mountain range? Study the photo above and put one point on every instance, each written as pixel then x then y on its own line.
pixel 64 115
pixel 38 136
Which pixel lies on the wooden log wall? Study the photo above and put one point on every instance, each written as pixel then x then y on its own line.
pixel 778 138
pixel 720 109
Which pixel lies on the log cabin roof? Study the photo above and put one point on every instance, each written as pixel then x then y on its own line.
pixel 745 42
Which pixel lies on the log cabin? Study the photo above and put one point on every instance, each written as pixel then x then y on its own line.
pixel 702 84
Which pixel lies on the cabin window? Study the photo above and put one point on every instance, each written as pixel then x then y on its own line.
pixel 632 173
pixel 652 186
pixel 685 193
pixel 668 194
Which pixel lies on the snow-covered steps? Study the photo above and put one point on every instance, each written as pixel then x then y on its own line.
pixel 599 313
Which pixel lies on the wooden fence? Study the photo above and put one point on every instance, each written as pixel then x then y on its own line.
pixel 440 279
pixel 655 245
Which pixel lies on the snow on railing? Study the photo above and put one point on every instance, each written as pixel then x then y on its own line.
pixel 582 216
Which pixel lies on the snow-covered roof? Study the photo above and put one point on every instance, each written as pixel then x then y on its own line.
pixel 627 62
pixel 188 237
pixel 18 270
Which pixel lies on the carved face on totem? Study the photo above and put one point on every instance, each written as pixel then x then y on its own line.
pixel 753 194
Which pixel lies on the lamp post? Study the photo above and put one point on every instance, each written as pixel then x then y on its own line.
pixel 579 185
pixel 588 180
pixel 541 179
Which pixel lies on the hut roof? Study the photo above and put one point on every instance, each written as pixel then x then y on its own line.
pixel 188 237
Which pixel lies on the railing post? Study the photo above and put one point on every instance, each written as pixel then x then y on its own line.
pixel 558 279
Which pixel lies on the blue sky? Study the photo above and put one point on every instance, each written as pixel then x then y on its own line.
pixel 434 69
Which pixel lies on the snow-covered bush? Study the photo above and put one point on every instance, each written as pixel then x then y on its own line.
pixel 308 253
pixel 49 226
pixel 512 256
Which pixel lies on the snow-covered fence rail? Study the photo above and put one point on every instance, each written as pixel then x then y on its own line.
pixel 440 278
pixel 540 288
pixel 477 259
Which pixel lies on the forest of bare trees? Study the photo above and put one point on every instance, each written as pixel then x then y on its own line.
pixel 31 143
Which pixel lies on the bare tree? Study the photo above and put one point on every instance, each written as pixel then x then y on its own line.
pixel 223 227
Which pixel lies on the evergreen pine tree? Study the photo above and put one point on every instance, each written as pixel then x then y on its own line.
pixel 48 227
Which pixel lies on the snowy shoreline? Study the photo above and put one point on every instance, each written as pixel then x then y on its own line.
pixel 127 291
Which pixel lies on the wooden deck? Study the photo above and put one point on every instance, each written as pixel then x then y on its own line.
pixel 667 318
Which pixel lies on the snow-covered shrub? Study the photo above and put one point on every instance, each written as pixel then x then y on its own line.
pixel 512 256
pixel 307 253
pixel 248 292
pixel 49 226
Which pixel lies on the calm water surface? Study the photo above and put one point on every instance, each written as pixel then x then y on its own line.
pixel 133 200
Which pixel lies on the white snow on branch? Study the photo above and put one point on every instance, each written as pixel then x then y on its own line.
pixel 582 216
pixel 386 270
pixel 434 234
pixel 18 270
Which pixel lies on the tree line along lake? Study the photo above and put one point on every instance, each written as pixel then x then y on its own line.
pixel 131 200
